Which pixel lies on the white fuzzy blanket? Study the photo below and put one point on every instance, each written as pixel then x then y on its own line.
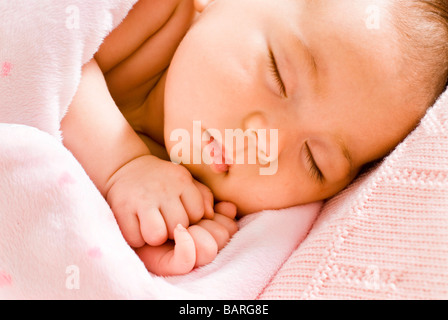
pixel 58 237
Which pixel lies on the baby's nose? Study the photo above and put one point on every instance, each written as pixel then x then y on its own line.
pixel 255 121
pixel 265 136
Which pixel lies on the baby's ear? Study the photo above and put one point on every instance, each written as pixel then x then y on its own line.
pixel 200 5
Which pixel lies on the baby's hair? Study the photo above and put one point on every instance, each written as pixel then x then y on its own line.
pixel 424 25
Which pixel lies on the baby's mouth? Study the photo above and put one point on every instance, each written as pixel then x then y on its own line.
pixel 219 163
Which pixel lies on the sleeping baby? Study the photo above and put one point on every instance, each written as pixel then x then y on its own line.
pixel 186 103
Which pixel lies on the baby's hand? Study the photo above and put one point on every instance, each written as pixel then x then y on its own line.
pixel 150 197
pixel 194 247
pixel 211 235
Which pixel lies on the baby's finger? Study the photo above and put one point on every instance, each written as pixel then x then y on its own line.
pixel 228 223
pixel 218 232
pixel 207 196
pixel 227 209
pixel 206 246
pixel 152 226
pixel 174 214
pixel 169 259
pixel 193 203
pixel 152 257
pixel 183 257
pixel 130 229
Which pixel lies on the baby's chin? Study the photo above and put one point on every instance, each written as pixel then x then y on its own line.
pixel 242 199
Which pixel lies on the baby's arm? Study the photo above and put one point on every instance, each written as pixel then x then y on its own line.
pixel 95 131
pixel 148 196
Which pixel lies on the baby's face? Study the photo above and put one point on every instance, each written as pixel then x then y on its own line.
pixel 325 75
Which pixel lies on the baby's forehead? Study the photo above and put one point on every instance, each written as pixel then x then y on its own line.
pixel 349 17
pixel 361 27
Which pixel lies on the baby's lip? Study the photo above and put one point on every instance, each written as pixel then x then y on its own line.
pixel 218 146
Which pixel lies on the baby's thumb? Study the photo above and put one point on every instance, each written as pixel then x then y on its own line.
pixel 184 256
pixel 165 260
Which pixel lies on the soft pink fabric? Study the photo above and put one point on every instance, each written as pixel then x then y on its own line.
pixel 386 236
pixel 43 45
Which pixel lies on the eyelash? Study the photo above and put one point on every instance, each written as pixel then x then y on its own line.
pixel 314 169
pixel 276 74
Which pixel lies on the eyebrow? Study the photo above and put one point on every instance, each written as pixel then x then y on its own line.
pixel 345 152
pixel 310 59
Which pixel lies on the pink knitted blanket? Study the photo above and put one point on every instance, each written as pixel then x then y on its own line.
pixel 386 236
